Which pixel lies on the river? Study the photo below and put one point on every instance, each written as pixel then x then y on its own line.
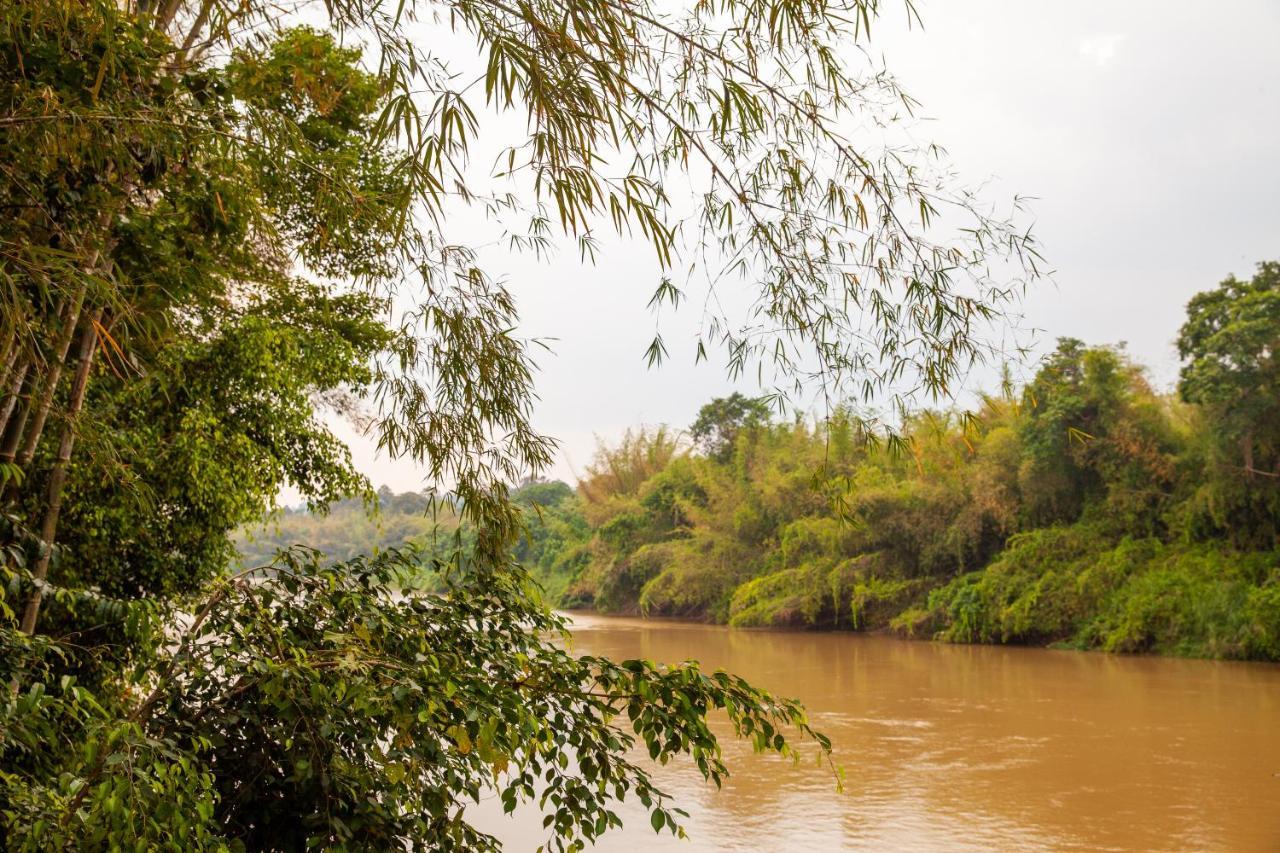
pixel 966 748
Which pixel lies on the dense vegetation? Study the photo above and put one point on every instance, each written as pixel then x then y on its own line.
pixel 1086 509
pixel 224 220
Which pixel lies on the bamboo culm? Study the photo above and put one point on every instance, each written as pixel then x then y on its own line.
pixel 14 393
pixel 9 357
pixel 58 475
pixel 42 406
pixel 13 431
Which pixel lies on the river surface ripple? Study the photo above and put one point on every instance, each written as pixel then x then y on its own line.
pixel 965 748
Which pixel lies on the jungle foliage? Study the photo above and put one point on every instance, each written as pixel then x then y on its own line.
pixel 1086 509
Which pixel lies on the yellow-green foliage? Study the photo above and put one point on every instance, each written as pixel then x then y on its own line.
pixel 770 600
pixel 1067 585
pixel 1039 587
pixel 698 577
pixel 1081 511
pixel 875 600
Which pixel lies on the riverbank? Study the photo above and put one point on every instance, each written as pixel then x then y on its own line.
pixel 1140 596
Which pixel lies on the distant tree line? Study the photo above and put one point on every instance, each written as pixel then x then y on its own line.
pixel 388 521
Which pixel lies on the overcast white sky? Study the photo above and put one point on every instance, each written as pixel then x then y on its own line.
pixel 1147 131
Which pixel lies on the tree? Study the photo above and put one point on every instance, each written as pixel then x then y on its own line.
pixel 165 162
pixel 1096 437
pixel 1230 344
pixel 720 421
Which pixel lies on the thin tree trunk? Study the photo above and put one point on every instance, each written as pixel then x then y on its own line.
pixel 58 476
pixel 10 356
pixel 12 434
pixel 50 388
pixel 15 390
pixel 166 15
pixel 65 336
pixel 198 25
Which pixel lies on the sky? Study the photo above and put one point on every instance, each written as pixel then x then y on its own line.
pixel 1146 133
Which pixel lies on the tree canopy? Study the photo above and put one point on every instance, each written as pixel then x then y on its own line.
pixel 1231 346
pixel 719 422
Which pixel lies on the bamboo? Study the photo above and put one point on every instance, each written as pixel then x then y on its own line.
pixel 9 357
pixel 167 14
pixel 42 407
pixel 12 434
pixel 201 18
pixel 11 399
pixel 58 476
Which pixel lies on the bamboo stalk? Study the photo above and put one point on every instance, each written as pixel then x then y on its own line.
pixel 15 390
pixel 42 407
pixel 58 476
pixel 9 357
pixel 167 14
pixel 17 425
pixel 201 18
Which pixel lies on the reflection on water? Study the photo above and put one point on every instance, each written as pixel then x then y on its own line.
pixel 967 747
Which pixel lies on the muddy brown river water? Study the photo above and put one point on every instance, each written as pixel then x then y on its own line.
pixel 966 748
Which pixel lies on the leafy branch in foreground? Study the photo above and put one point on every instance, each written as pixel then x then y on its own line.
pixel 323 707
